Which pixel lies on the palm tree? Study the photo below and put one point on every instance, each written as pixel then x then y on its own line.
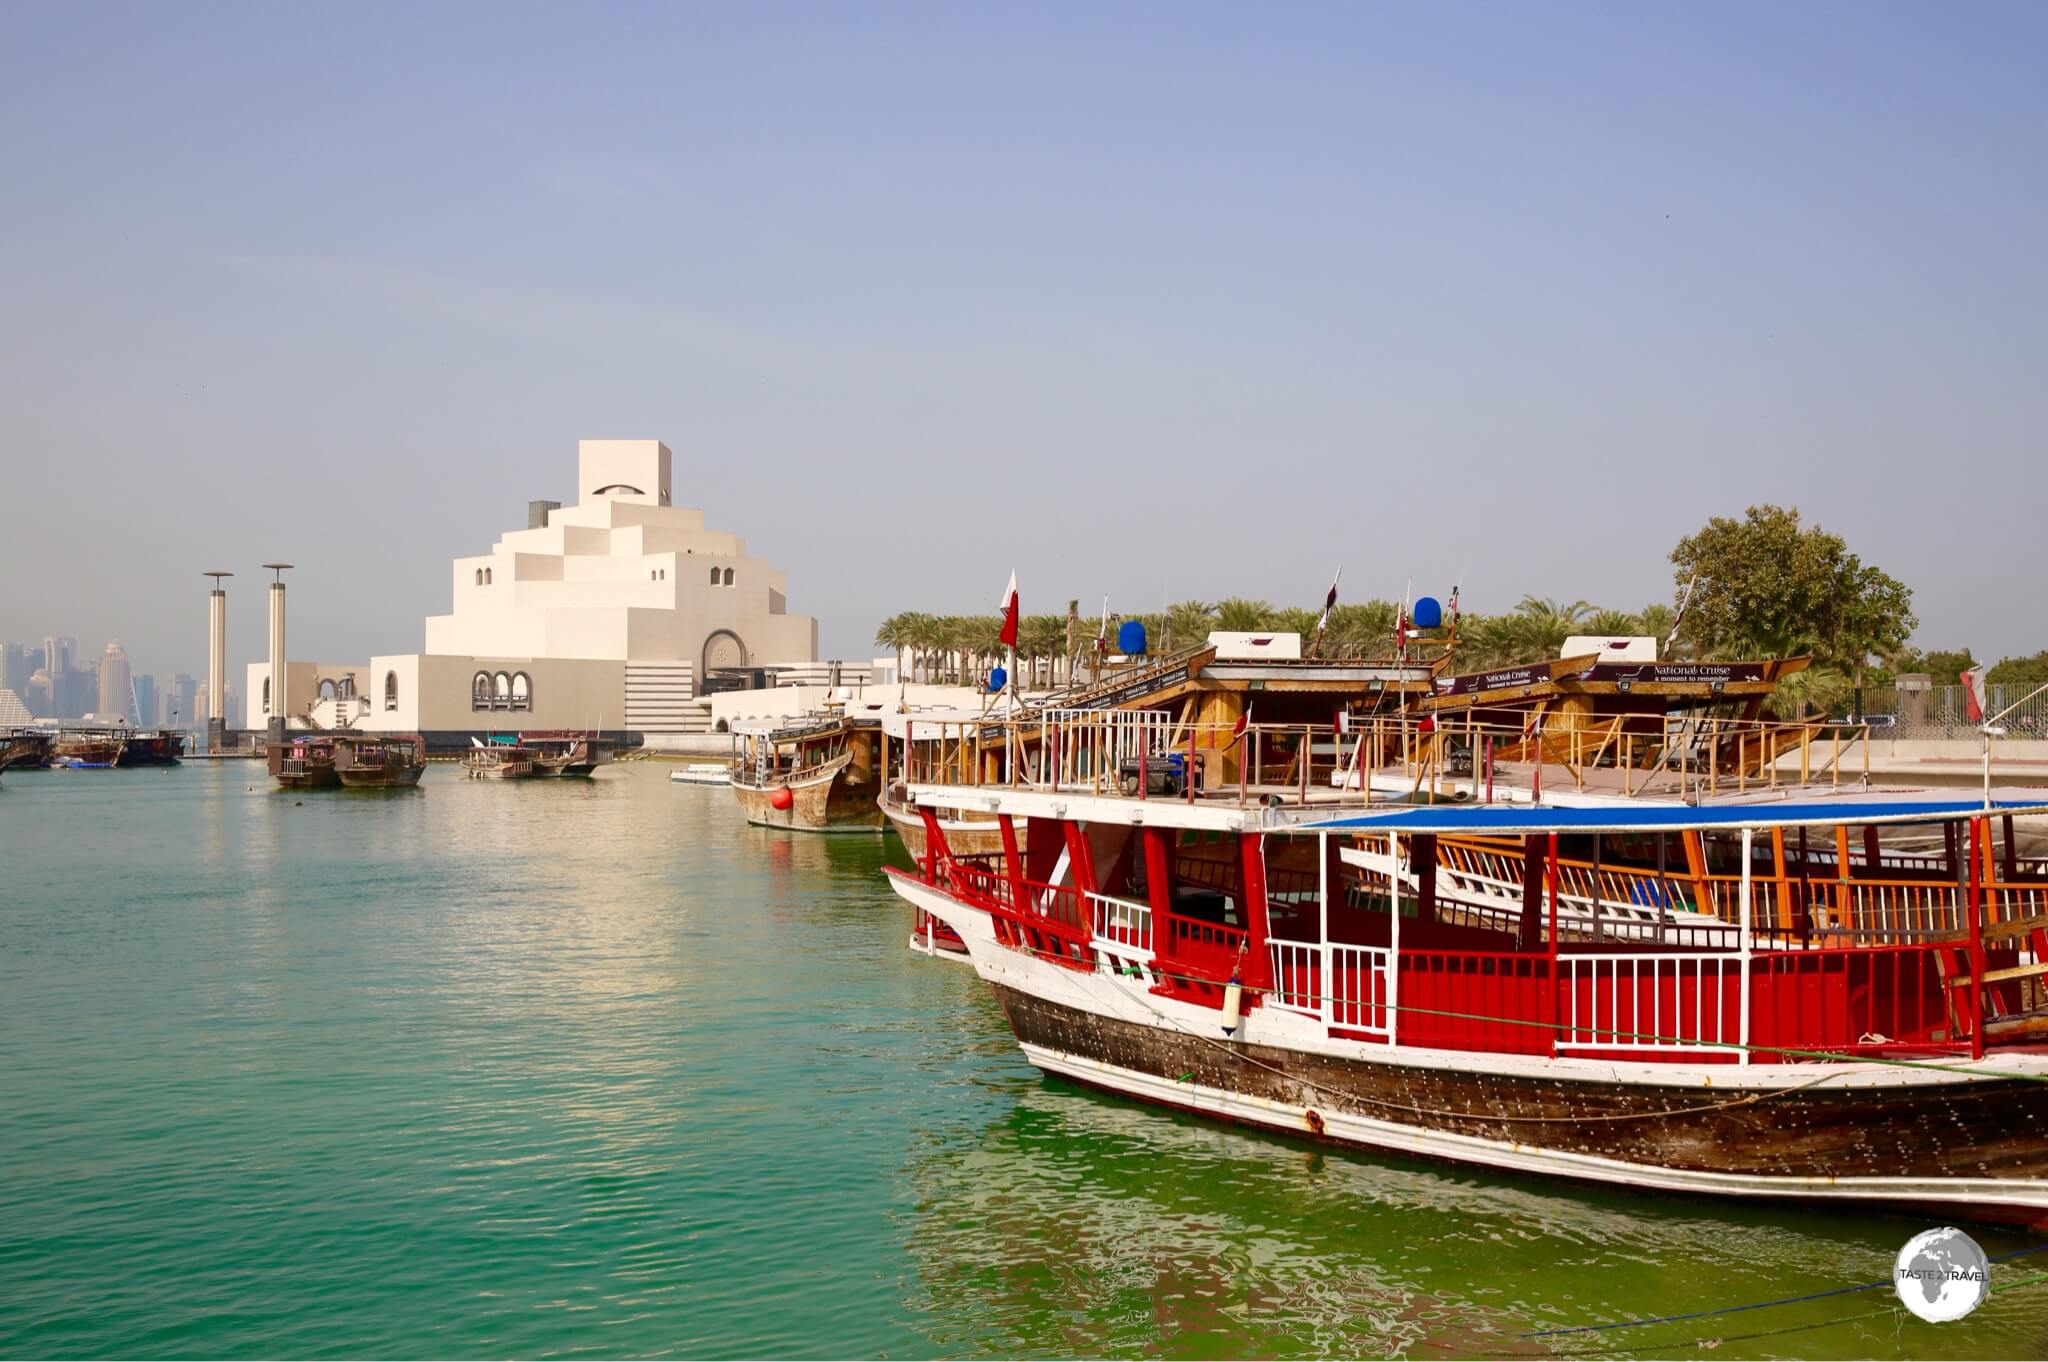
pixel 1539 626
pixel 1186 624
pixel 1656 621
pixel 894 635
pixel 1236 615
pixel 1295 620
pixel 1366 627
pixel 1613 624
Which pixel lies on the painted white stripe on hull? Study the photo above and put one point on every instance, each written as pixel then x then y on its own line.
pixel 1519 1158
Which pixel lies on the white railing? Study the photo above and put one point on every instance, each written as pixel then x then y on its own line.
pixel 1624 920
pixel 1089 746
pixel 1358 992
pixel 1648 1002
pixel 1297 976
pixel 1121 923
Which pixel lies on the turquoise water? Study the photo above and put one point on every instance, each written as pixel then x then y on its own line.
pixel 554 1069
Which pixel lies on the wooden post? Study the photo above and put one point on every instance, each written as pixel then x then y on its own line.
pixel 1784 905
pixel 1532 894
pixel 1696 867
pixel 1842 890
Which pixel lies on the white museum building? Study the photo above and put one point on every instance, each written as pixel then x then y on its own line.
pixel 606 614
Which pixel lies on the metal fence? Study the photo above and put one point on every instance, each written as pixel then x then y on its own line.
pixel 1942 712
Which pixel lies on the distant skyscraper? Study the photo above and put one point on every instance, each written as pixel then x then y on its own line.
pixel 40 697
pixel 181 702
pixel 116 693
pixel 18 662
pixel 145 703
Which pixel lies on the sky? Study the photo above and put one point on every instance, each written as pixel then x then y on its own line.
pixel 1159 301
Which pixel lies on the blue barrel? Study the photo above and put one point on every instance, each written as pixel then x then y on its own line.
pixel 1130 638
pixel 1429 614
pixel 997 678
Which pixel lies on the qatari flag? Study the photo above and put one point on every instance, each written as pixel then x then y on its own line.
pixel 1973 695
pixel 1009 607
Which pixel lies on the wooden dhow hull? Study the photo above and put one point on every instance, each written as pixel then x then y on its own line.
pixel 394 777
pixel 1967 1138
pixel 87 754
pixel 152 749
pixel 965 836
pixel 818 802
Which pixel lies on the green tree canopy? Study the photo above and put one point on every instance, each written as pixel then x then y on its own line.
pixel 1769 586
pixel 2020 671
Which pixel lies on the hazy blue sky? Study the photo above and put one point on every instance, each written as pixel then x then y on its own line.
pixel 1163 300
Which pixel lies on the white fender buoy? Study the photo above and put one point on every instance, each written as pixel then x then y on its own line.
pixel 1233 1005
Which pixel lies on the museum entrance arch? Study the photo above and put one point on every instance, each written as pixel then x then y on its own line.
pixel 722 649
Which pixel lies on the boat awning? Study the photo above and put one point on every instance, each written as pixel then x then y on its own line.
pixel 1523 820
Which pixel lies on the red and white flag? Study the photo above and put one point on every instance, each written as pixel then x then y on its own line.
pixel 1009 608
pixel 1671 640
pixel 1329 602
pixel 1973 694
pixel 1244 721
pixel 1401 633
pixel 1454 608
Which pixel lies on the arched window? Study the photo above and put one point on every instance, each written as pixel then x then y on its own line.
pixel 479 576
pixel 487 576
pixel 480 691
pixel 327 689
pixel 391 690
pixel 728 576
pixel 501 689
pixel 714 576
pixel 266 695
pixel 522 691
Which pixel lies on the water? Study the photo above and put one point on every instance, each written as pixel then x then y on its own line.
pixel 554 1069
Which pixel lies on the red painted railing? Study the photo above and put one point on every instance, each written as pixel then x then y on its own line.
pixel 1646 1006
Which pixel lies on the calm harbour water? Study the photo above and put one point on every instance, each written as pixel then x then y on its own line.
pixel 552 1069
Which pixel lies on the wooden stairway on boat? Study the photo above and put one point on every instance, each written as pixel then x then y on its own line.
pixel 2012 1007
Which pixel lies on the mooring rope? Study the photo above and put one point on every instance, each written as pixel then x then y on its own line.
pixel 1766 1305
pixel 1883 1311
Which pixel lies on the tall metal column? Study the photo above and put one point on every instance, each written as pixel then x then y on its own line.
pixel 277 684
pixel 216 664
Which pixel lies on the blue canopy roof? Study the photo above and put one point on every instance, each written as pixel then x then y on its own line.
pixel 1522 819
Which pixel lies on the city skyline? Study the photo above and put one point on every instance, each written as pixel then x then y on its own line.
pixel 145 699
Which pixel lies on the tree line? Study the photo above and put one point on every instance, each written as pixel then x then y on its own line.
pixel 1762 585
